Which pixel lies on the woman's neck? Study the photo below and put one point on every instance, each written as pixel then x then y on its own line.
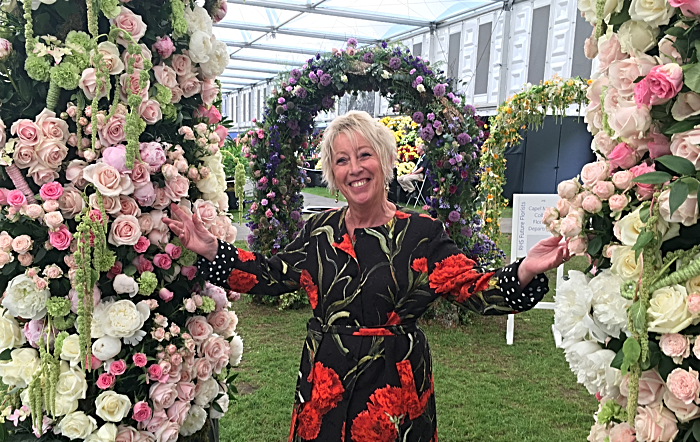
pixel 362 217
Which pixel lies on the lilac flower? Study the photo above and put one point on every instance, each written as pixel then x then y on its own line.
pixel 368 57
pixel 263 202
pixel 438 90
pixel 419 79
pixel 456 100
pixel 325 80
pixel 313 77
pixel 328 102
pixel 453 216
pixel 281 100
pixel 418 117
pixel 395 63
pixel 296 73
pixel 352 42
pixel 463 139
pixel 431 116
pixel 412 71
pixel 459 157
pixel 450 95
pixel 427 133
pixel 469 109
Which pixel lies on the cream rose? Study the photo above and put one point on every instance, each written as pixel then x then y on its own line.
pixel 637 36
pixel 20 369
pixel 11 335
pixel 71 350
pixel 70 388
pixel 110 57
pixel 106 348
pixel 125 231
pixel 667 311
pixel 112 406
pixel 653 12
pixel 76 425
pixel 111 204
pixel 106 433
pixel 108 180
pixel 624 263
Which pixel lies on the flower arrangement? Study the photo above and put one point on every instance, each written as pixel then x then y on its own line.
pixel 630 331
pixel 107 330
pixel 406 134
pixel 527 108
pixel 410 83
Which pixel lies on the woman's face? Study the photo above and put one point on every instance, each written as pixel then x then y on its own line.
pixel 358 171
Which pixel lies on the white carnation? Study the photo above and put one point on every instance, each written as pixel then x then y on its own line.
pixel 11 335
pixel 194 421
pixel 591 364
pixel 609 307
pixel 20 369
pixel 236 345
pixel 22 299
pixel 200 47
pixel 198 20
pixel 218 60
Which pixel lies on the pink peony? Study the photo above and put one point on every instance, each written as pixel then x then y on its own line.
pixel 164 46
pixel 73 298
pixel 152 154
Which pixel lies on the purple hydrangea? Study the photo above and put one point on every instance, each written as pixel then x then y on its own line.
pixel 325 80
pixel 328 102
pixel 352 42
pixel 368 57
pixel 438 89
pixel 395 63
pixel 301 93
pixel 418 117
pixel 430 116
pixel 427 133
pixel 463 139
pixel 453 216
pixel 296 73
pixel 313 77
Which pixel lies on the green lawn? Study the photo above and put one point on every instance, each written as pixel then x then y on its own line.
pixel 485 389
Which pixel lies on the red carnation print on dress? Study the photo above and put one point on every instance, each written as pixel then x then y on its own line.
pixel 295 411
pixel 393 319
pixel 455 274
pixel 480 285
pixel 415 406
pixel 346 246
pixel 401 215
pixel 245 255
pixel 420 265
pixel 326 393
pixel 376 424
pixel 240 281
pixel 307 283
pixel 368 331
pixel 309 422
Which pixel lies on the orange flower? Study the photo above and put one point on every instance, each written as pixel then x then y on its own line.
pixel 420 265
pixel 346 246
pixel 480 285
pixel 240 281
pixel 295 411
pixel 307 283
pixel 426 216
pixel 245 255
pixel 401 215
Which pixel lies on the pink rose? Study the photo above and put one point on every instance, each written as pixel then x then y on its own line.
pixel 163 395
pixel 209 92
pixel 219 320
pixel 129 206
pixel 142 264
pixel 604 189
pixel 88 84
pixel 42 174
pixel 185 391
pixel 199 328
pixel 624 73
pixel 622 433
pixel 158 419
pixel 74 173
pixel 5 241
pixel 690 8
pixel 189 272
pixel 568 189
pixel 594 172
pixel 222 132
pixel 177 95
pixel 664 82
pixel 51 191
pixel 655 424
pixel 142 412
pixel 623 179
pixel 177 188
pixel 675 346
pixel 25 259
pixel 202 369
pixel 105 381
pixel 211 114
pixel 190 85
pixel 108 180
pixel 658 146
pixel 152 154
pixel 571 226
pixel 73 297
pixel 182 64
pixel 578 246
pixel 130 84
pixel 166 76
pixel 651 387
pixel 140 359
pixel 217 352
pixel 150 111
pixel 693 303
pixel 628 120
pixel 220 11
pixel 24 156
pixel 125 231
pixel 173 251
pixel 27 131
pixel 53 128
pixel 140 174
pixel 127 434
pixel 164 46
pixel 16 198
pixel 178 412
pixel 168 432
pixel 592 204
pixel 165 294
pixel 60 238
pixel 162 201
pixel 33 211
pixel 206 211
pixel 686 214
pixel 112 132
pixel 22 244
pixel 155 372
pixel 3 196
pixel 52 153
pixel 685 145
pixel 145 223
pixel 162 261
pixel 622 157
pixel 142 245
pixel 609 50
pixel 130 23
pixel 644 191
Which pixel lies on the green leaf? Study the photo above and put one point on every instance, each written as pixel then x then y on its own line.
pixel 638 314
pixel 644 212
pixel 632 350
pixel 130 270
pixel 217 407
pixel 621 17
pixel 677 164
pixel 9 268
pixel 682 126
pixel 679 193
pixel 692 183
pixel 643 239
pixel 617 360
pixel 40 255
pixel 595 246
pixel 653 178
pixel 675 31
pixel 5 355
pixel 696 429
pixel 691 77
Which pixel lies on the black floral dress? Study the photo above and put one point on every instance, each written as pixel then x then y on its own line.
pixel 366 371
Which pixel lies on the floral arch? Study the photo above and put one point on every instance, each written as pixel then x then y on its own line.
pixel 452 136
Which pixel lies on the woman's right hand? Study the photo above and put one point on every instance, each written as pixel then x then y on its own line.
pixel 192 233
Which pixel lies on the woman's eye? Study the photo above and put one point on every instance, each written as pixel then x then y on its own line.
pixel 340 161
pixel 365 154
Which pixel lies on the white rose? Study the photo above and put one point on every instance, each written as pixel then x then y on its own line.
pixel 208 390
pixel 123 318
pixel 200 47
pixel 22 299
pixel 208 185
pixel 198 19
pixel 687 105
pixel 218 60
pixel 71 350
pixel 236 345
pixel 629 227
pixel 653 12
pixel 106 348
pixel 111 58
pixel 20 369
pixel 686 214
pixel 106 433
pixel 108 180
pixel 637 36
pixel 125 284
pixel 70 388
pixel 693 285
pixel 76 425
pixel 11 335
pixel 624 263
pixel 112 406
pixel 587 8
pixel 223 402
pixel 194 421
pixel 667 311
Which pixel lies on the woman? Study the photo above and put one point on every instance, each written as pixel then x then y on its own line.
pixel 370 271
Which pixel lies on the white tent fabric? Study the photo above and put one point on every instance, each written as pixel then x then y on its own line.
pixel 267 37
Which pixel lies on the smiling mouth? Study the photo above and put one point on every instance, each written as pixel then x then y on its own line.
pixel 359 183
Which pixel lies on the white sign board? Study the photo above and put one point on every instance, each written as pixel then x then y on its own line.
pixel 528 230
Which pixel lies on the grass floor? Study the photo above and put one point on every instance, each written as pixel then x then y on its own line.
pixel 485 389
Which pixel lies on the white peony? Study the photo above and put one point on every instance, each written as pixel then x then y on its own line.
pixel 236 345
pixel 106 433
pixel 223 402
pixel 125 284
pixel 207 391
pixel 198 19
pixel 591 364
pixel 71 350
pixel 11 335
pixel 76 425
pixel 200 47
pixel 218 60
pixel 653 12
pixel 20 369
pixel 112 406
pixel 667 311
pixel 22 299
pixel 572 304
pixel 637 36
pixel 70 388
pixel 122 319
pixel 609 307
pixel 624 263
pixel 194 421
pixel 106 347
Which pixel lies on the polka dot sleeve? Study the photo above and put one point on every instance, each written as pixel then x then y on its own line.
pixel 218 270
pixel 521 299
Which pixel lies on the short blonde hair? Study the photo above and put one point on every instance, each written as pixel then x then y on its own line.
pixel 358 122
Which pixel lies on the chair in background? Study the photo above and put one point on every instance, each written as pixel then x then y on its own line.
pixel 419 196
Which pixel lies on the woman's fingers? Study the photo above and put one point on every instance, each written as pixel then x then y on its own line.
pixel 199 226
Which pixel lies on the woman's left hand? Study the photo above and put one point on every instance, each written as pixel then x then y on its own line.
pixel 547 254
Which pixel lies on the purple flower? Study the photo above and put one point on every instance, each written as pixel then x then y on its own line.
pixel 313 77
pixel 412 71
pixel 450 95
pixel 453 216
pixel 292 81
pixel 384 45
pixel 463 139
pixel 419 79
pixel 295 215
pixel 466 231
pixel 427 133
pixel 271 195
pixel 469 109
pixel 318 56
pixel 418 117
pixel 296 73
pixel 263 202
pixel 325 80
pixel 301 93
pixel 368 57
pixel 459 157
pixel 431 116
pixel 281 100
pixel 319 73
pixel 289 88
pixel 352 42
pixel 437 124
pixel 453 161
pixel 395 63
pixel 438 90
pixel 328 102
pixel 456 100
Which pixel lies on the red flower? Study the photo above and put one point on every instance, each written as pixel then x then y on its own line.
pixel 327 388
pixel 245 255
pixel 393 319
pixel 372 427
pixel 309 422
pixel 346 246
pixel 388 401
pixel 401 215
pixel 342 434
pixel 452 273
pixel 240 281
pixel 415 406
pixel 295 411
pixel 426 216
pixel 373 332
pixel 307 283
pixel 479 286
pixel 420 265
pixel 452 189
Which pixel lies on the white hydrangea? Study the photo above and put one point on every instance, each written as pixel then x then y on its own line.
pixel 22 299
pixel 194 421
pixel 609 307
pixel 591 364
